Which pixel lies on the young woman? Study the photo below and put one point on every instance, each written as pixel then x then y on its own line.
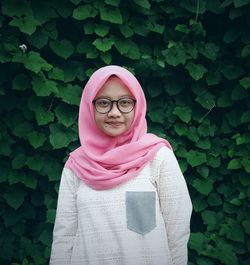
pixel 122 199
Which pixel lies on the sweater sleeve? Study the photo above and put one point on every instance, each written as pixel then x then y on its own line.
pixel 66 220
pixel 176 207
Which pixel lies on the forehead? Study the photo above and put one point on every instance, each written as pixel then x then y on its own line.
pixel 114 87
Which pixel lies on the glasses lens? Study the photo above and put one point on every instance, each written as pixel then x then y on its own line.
pixel 103 105
pixel 126 104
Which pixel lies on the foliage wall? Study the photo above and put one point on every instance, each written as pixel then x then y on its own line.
pixel 192 59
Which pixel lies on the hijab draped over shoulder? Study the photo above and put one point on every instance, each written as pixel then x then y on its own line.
pixel 103 161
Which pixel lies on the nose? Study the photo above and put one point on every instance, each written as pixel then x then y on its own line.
pixel 114 112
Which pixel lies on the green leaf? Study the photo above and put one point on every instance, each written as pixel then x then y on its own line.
pixel 210 219
pixel 195 158
pixel 182 28
pixel 71 94
pixel 21 82
pixel 83 12
pixel 246 225
pixel 35 163
pixel 56 74
pixel 112 15
pixel 184 113
pixel 245 82
pixel 204 261
pixel 143 3
pixel 236 12
pixel 174 87
pixel 22 129
pixel 235 232
pixel 44 87
pixel 62 7
pixel 196 70
pixel 155 27
pixel 13 8
pixel 175 54
pixel 72 70
pixel 59 140
pixel 5 147
pixel 214 199
pixel 191 6
pixel 224 100
pixel 246 164
pixel 29 181
pixel 126 31
pixel 101 30
pixel 245 117
pixel 122 46
pixel 63 48
pixel 18 161
pixel 134 51
pixel 245 51
pixel 209 50
pixel 234 164
pixel 88 29
pixel 204 144
pixel 39 38
pixel 232 72
pixel 15 197
pixel 181 129
pixel 32 61
pixel 43 116
pixel 213 78
pixel 76 2
pixel 204 186
pixel 226 3
pixel 192 134
pixel 112 2
pixel 239 3
pixel 106 57
pixel 199 204
pixel 51 215
pixel 156 115
pixel 46 237
pixel 66 115
pixel 198 241
pixel 26 24
pixel 203 171
pixel 43 12
pixel 103 44
pixel 206 100
pixel 212 161
pixel 36 139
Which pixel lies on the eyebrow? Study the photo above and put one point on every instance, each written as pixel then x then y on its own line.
pixel 122 96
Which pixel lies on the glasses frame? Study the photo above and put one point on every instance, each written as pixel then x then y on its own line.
pixel 112 104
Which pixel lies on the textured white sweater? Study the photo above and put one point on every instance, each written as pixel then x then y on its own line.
pixel 144 221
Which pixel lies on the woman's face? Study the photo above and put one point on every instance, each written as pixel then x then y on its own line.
pixel 114 122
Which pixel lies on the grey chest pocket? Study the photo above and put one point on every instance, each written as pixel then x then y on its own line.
pixel 140 211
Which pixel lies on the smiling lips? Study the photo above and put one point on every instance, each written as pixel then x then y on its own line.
pixel 114 123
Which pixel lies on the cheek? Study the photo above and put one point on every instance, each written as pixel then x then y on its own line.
pixel 130 118
pixel 98 119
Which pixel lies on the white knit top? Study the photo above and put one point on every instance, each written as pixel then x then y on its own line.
pixel 144 221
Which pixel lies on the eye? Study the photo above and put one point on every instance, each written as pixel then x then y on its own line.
pixel 126 102
pixel 103 103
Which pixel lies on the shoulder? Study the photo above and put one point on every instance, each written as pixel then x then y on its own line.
pixel 69 177
pixel 164 153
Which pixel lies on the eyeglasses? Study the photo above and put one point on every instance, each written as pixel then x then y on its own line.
pixel 104 105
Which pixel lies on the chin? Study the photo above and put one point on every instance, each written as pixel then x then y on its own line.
pixel 114 134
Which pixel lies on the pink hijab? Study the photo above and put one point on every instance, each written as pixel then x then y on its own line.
pixel 103 161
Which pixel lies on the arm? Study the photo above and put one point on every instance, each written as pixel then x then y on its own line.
pixel 66 220
pixel 176 207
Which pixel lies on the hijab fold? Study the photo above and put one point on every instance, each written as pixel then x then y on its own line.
pixel 102 161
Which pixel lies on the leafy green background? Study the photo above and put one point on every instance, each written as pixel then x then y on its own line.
pixel 192 59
